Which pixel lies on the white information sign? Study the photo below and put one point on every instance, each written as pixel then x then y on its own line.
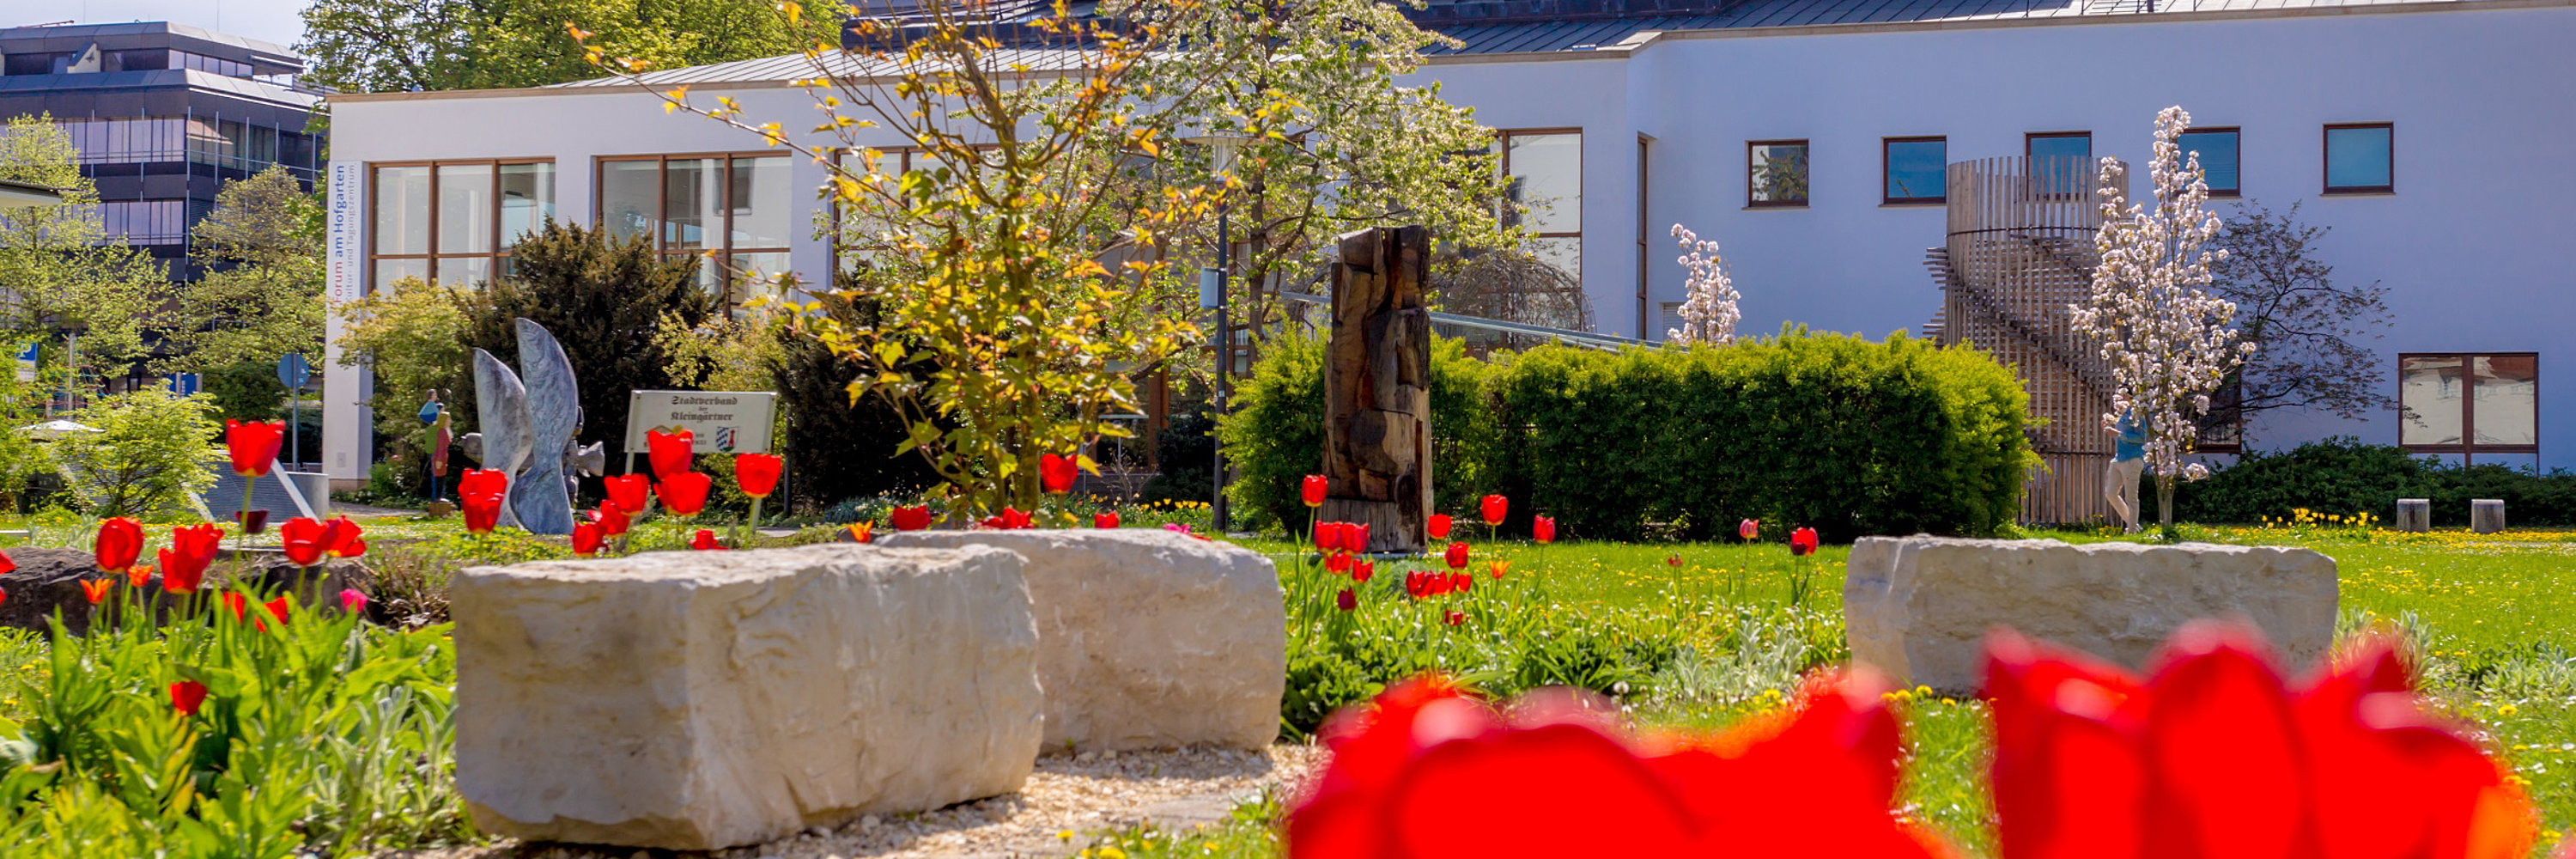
pixel 723 421
pixel 344 276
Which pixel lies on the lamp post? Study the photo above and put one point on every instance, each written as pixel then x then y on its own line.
pixel 1222 146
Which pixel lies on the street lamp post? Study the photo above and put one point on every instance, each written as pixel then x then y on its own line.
pixel 1222 146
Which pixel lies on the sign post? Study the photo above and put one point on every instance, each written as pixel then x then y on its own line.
pixel 720 421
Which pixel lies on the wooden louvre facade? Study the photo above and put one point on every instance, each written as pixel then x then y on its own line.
pixel 2019 256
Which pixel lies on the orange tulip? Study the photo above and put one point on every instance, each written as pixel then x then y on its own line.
pixel 96 589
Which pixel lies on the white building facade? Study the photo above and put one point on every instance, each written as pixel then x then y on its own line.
pixel 1798 133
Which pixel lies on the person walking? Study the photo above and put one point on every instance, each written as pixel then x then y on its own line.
pixel 2128 463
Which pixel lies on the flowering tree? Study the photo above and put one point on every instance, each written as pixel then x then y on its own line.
pixel 1708 312
pixel 2168 341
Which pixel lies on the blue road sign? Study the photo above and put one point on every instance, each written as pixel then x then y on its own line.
pixel 293 372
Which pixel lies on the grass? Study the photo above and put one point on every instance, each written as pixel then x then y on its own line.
pixel 2492 617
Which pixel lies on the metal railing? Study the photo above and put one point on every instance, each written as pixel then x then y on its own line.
pixel 1587 339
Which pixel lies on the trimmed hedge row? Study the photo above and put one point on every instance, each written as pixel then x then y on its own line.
pixel 2343 476
pixel 1850 436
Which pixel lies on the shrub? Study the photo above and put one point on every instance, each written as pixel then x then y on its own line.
pixel 1276 435
pixel 839 448
pixel 150 450
pixel 2344 476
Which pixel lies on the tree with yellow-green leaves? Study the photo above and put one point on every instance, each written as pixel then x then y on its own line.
pixel 261 296
pixel 61 276
pixel 410 45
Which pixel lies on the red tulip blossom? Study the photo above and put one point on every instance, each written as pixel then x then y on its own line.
pixel 186 696
pixel 611 520
pixel 1355 537
pixel 1543 529
pixel 120 541
pixel 1013 519
pixel 1360 572
pixel 341 538
pixel 685 493
pixel 1338 562
pixel 704 540
pixel 670 453
pixel 253 446
pixel 237 604
pixel 1439 526
pixel 1056 473
pixel 1417 584
pixel 628 492
pixel 756 473
pixel 1816 779
pixel 1672 560
pixel 2215 754
pixel 1105 520
pixel 479 494
pixel 1328 536
pixel 1456 556
pixel 353 601
pixel 586 539
pixel 1802 541
pixel 1312 490
pixel 302 538
pixel 1457 618
pixel 1748 529
pixel 96 589
pixel 192 548
pixel 1346 600
pixel 910 518
pixel 6 564
pixel 254 521
pixel 279 608
pixel 1493 507
pixel 138 575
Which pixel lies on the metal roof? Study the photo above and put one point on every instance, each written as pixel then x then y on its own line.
pixel 138 34
pixel 245 88
pixel 836 64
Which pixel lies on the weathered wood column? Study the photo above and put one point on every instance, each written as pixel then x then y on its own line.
pixel 1377 388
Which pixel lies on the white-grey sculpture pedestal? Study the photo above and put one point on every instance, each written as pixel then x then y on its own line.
pixel 2414 515
pixel 2486 515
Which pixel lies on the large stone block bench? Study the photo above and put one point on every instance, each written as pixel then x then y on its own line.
pixel 1919 608
pixel 700 700
pixel 1148 638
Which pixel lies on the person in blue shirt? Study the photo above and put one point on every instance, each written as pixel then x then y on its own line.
pixel 2128 463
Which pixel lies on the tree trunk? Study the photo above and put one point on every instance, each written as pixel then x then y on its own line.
pixel 2164 500
pixel 1377 389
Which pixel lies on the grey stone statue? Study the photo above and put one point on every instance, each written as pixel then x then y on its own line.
pixel 539 496
pixel 501 406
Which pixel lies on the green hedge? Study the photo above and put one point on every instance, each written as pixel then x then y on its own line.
pixel 1850 436
pixel 2343 476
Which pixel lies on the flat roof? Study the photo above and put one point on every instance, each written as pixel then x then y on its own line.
pixel 14 194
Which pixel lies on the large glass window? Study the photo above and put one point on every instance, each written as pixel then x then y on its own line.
pixel 455 221
pixel 1544 172
pixel 2469 403
pixel 736 211
pixel 1917 169
pixel 2358 159
pixel 2059 159
pixel 146 222
pixel 2216 148
pixel 1775 173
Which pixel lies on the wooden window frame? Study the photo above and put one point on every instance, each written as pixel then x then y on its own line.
pixel 2325 161
pixel 429 254
pixel 709 254
pixel 1800 203
pixel 1582 161
pixel 2468 448
pixel 1887 165
pixel 2237 192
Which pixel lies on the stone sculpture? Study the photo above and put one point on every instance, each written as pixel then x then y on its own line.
pixel 501 406
pixel 528 429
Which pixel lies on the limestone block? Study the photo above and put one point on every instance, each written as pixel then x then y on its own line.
pixel 1919 607
pixel 700 700
pixel 1148 638
pixel 2414 514
pixel 2486 515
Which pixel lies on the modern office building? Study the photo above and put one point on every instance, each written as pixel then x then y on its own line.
pixel 1810 137
pixel 163 115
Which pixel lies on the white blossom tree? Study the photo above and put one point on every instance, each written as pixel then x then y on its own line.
pixel 1708 309
pixel 2169 342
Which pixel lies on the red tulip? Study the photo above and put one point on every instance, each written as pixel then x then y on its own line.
pixel 183 565
pixel 96 589
pixel 479 494
pixel 1355 537
pixel 756 473
pixel 341 538
pixel 254 522
pixel 1312 490
pixel 1417 584
pixel 628 492
pixel 6 564
pixel 1328 535
pixel 1337 562
pixel 1013 519
pixel 253 446
pixel 1346 600
pixel 1439 526
pixel 1056 473
pixel 670 453
pixel 910 518
pixel 704 540
pixel 1105 520
pixel 120 541
pixel 4 595
pixel 353 601
pixel 1361 571
pixel 1457 618
pixel 1419 773
pixel 302 538
pixel 611 519
pixel 138 575
pixel 1748 529
pixel 1456 556
pixel 279 607
pixel 1802 541
pixel 685 493
pixel 586 539
pixel 186 696
pixel 1493 507
pixel 237 604
pixel 1543 529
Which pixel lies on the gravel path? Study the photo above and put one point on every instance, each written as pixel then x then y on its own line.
pixel 1078 794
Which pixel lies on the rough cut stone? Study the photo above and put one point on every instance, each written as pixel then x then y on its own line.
pixel 700 700
pixel 1919 608
pixel 2486 515
pixel 2414 514
pixel 1148 638
pixel 48 580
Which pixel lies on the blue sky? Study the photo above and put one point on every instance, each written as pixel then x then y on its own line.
pixel 276 21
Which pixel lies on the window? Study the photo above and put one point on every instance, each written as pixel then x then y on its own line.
pixel 2469 403
pixel 2216 148
pixel 2059 160
pixel 1775 173
pixel 1917 169
pixel 1544 169
pixel 146 222
pixel 454 221
pixel 2358 159
pixel 736 211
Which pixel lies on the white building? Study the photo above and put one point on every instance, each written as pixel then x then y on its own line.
pixel 2426 135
